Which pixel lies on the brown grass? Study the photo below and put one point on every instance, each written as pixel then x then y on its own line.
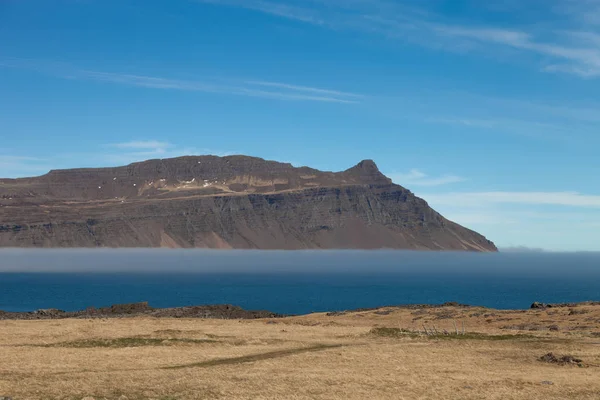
pixel 255 357
pixel 377 354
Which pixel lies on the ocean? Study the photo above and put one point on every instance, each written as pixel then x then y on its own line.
pixel 291 282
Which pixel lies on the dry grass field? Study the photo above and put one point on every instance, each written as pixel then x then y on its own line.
pixel 375 354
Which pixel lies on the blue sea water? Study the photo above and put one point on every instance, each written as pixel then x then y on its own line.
pixel 291 282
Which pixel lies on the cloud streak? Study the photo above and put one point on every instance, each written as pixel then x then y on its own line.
pixel 539 219
pixel 114 154
pixel 582 58
pixel 305 89
pixel 483 199
pixel 249 88
pixel 277 9
pixel 141 150
pixel 142 144
pixel 418 178
pixel 13 166
pixel 576 52
pixel 279 91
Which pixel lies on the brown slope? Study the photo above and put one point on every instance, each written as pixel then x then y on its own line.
pixel 223 202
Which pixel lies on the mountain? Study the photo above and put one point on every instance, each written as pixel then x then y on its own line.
pixel 223 202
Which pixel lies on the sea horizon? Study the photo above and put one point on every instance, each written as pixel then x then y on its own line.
pixel 310 281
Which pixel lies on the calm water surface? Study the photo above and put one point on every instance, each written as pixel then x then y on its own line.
pixel 291 282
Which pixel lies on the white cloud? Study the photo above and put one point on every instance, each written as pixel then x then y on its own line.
pixel 280 91
pixel 416 177
pixel 584 72
pixel 511 126
pixel 278 9
pixel 582 11
pixel 8 159
pixel 522 249
pixel 13 166
pixel 504 36
pixel 582 57
pixel 470 122
pixel 589 37
pixel 565 221
pixel 135 151
pixel 471 218
pixel 247 88
pixel 482 199
pixel 142 144
pixel 579 49
pixel 304 89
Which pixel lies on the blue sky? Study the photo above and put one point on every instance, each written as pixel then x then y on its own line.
pixel 489 110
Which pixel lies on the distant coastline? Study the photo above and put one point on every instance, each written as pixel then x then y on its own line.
pixel 228 311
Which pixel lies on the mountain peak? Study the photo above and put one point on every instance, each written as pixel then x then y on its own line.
pixel 223 202
pixel 367 164
pixel 367 171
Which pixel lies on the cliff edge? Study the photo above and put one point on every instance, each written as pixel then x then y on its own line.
pixel 223 202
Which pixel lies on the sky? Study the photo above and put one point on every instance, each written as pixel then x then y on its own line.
pixel 489 110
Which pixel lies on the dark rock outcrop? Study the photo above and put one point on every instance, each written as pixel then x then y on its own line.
pixel 223 202
pixel 561 360
pixel 220 311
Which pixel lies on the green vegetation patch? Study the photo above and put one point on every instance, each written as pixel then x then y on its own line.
pixel 482 336
pixel 127 342
pixel 401 333
pixel 393 332
pixel 255 357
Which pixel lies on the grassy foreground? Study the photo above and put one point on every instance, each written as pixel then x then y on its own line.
pixel 375 354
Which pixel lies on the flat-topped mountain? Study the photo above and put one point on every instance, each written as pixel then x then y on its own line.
pixel 223 202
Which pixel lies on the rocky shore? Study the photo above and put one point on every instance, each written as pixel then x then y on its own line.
pixel 219 311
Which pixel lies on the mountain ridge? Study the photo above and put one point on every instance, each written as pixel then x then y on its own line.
pixel 223 202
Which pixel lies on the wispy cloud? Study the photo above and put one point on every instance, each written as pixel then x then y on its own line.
pixel 585 72
pixel 284 92
pixel 7 159
pixel 470 122
pixel 304 89
pixel 521 127
pixel 582 58
pixel 522 249
pixel 540 219
pixel 482 199
pixel 582 11
pixel 13 166
pixel 141 150
pixel 479 218
pixel 142 144
pixel 576 52
pixel 416 177
pixel 107 155
pixel 280 9
pixel 247 88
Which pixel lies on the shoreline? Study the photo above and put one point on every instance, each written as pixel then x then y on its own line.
pixel 228 311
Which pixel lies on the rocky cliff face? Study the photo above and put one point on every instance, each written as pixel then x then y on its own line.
pixel 223 202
